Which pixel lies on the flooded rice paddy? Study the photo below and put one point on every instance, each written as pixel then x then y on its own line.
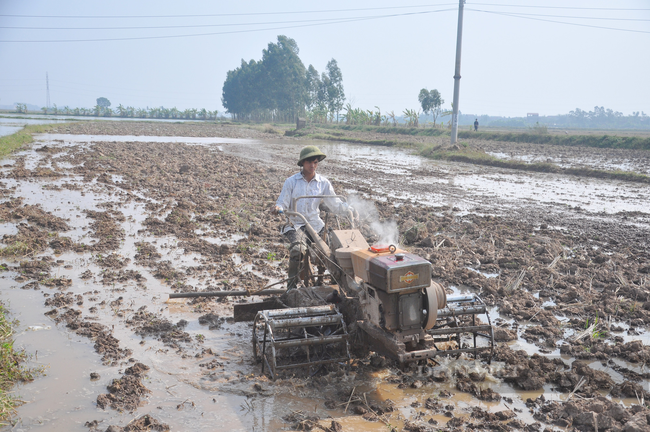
pixel 147 215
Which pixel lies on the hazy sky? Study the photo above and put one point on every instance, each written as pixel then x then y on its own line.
pixel 517 56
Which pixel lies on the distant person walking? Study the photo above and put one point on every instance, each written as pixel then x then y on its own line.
pixel 476 125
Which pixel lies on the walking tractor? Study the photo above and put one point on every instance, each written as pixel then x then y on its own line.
pixel 385 292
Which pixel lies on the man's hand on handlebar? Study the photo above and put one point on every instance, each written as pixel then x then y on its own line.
pixel 277 210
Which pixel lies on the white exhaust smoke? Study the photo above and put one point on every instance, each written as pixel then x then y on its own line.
pixel 386 231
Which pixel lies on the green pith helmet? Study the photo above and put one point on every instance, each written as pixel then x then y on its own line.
pixel 310 151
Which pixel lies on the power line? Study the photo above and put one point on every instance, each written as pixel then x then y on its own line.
pixel 322 20
pixel 573 17
pixel 20 79
pixel 224 15
pixel 561 7
pixel 515 15
pixel 338 21
pixel 316 11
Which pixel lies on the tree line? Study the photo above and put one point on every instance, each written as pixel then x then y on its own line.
pixel 599 118
pixel 279 88
pixel 103 109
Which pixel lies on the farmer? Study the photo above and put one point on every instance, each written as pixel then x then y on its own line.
pixel 475 125
pixel 306 182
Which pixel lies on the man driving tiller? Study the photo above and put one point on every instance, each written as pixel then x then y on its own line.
pixel 305 183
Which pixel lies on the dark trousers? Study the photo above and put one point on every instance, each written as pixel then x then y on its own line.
pixel 298 240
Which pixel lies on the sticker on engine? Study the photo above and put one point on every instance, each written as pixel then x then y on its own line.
pixel 409 277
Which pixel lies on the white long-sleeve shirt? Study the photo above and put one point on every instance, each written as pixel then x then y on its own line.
pixel 296 186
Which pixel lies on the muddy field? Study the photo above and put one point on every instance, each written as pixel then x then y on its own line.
pixel 101 221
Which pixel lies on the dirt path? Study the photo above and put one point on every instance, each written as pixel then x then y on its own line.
pixel 102 229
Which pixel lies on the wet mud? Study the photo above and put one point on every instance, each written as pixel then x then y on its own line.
pixel 119 224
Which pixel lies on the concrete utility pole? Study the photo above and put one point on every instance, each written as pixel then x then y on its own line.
pixel 459 40
pixel 47 92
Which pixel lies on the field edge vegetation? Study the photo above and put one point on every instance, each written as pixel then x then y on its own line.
pixel 599 141
pixel 534 136
pixel 15 141
pixel 465 153
pixel 12 370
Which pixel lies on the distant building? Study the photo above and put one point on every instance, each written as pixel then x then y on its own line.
pixel 532 117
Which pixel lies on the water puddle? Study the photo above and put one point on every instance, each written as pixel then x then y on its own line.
pixel 546 189
pixel 485 274
pixel 9 125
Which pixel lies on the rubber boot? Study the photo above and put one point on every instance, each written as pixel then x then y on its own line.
pixel 294 270
pixel 296 252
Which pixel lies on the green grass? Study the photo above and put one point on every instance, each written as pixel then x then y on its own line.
pixel 333 137
pixel 11 143
pixel 387 129
pixel 11 369
pixel 17 249
pixel 536 135
pixel 464 153
pixel 600 141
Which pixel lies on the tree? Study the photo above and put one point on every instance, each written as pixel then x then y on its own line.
pixel 412 116
pixel 313 88
pixel 241 94
pixel 103 102
pixel 430 101
pixel 335 93
pixel 278 87
pixel 283 75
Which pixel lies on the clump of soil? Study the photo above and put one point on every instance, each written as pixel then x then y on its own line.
pixel 106 229
pixel 213 321
pixel 111 260
pixel 305 422
pixel 484 394
pixel 14 210
pixel 146 253
pixel 60 300
pixel 146 423
pixel 60 282
pixel 122 276
pixel 37 269
pixel 125 394
pixel 598 413
pixel 105 343
pixel 29 241
pixel 20 172
pixel 148 324
pixel 166 271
